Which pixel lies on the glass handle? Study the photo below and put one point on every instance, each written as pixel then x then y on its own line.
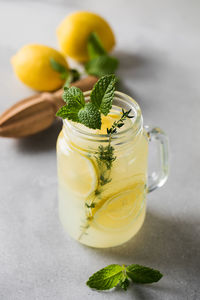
pixel 159 177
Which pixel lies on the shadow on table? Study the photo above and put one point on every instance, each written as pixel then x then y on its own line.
pixel 147 291
pixel 152 292
pixel 42 141
pixel 161 242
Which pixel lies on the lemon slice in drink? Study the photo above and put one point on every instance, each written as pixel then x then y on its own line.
pixel 121 209
pixel 78 173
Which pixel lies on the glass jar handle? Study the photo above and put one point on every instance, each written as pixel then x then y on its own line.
pixel 158 178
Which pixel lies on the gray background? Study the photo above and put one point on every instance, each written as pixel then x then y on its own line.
pixel 158 46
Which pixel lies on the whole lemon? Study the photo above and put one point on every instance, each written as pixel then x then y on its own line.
pixel 32 66
pixel 74 31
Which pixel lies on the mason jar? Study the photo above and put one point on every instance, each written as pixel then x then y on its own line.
pixel 102 202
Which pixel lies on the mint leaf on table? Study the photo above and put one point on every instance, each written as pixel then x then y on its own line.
pixel 106 278
pixel 141 274
pixel 103 93
pixel 95 47
pixel 90 116
pixel 101 65
pixel 116 275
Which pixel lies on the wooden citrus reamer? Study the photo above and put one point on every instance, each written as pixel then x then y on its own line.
pixel 36 113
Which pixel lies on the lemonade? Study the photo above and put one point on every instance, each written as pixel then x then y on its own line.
pixel 98 206
pixel 102 164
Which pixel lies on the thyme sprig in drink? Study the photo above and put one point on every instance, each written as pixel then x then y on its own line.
pixel 104 158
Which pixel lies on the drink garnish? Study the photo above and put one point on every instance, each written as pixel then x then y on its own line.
pixel 89 113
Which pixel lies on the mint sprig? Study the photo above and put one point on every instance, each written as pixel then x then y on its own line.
pixel 100 63
pixel 89 114
pixel 116 275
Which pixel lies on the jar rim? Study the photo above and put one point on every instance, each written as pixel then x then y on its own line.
pixel 128 103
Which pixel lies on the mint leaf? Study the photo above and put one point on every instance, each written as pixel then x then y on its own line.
pixel 56 66
pixel 95 47
pixel 74 98
pixel 106 278
pixel 103 92
pixel 141 274
pixel 90 116
pixel 66 113
pixel 101 65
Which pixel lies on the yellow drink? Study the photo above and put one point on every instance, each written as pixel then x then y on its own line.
pixel 98 206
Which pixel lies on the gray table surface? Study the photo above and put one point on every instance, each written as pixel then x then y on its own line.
pixel 158 44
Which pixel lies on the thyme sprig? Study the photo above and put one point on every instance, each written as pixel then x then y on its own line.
pixel 105 158
pixel 120 122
